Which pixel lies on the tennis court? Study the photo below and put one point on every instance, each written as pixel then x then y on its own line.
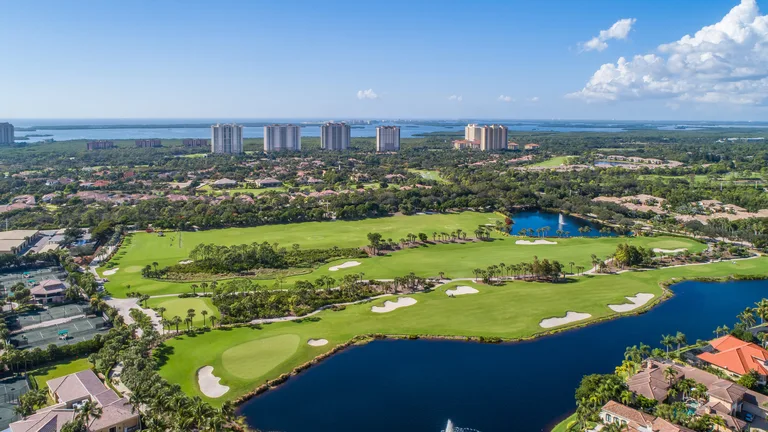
pixel 30 277
pixel 38 316
pixel 10 390
pixel 76 330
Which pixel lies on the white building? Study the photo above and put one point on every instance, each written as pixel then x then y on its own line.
pixel 227 139
pixel 282 137
pixel 387 138
pixel 472 132
pixel 6 133
pixel 335 136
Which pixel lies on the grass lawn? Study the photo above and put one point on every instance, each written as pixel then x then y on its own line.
pixel 142 249
pixel 554 162
pixel 59 369
pixel 179 306
pixel 429 175
pixel 510 311
pixel 563 425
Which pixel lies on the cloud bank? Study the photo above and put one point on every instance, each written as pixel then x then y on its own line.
pixel 456 98
pixel 505 98
pixel 367 94
pixel 619 30
pixel 723 62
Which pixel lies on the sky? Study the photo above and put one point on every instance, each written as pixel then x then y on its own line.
pixel 496 59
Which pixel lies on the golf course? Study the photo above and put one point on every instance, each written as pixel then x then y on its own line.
pixel 514 310
pixel 455 260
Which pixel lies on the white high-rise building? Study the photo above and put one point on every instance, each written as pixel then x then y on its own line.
pixel 493 137
pixel 335 136
pixel 6 133
pixel 282 137
pixel 387 138
pixel 227 139
pixel 472 132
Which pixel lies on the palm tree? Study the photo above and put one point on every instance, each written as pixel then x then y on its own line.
pixel 161 310
pixel 204 313
pixel 88 410
pixel 668 341
pixel 571 264
pixel 176 321
pixel 213 321
pixel 762 310
pixel 747 317
pixel 670 375
pixel 680 339
pixel 194 289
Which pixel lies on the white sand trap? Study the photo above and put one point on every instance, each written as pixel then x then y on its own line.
pixel 535 242
pixel 636 301
pixel 389 306
pixel 186 262
pixel 659 250
pixel 461 290
pixel 569 317
pixel 110 272
pixel 345 265
pixel 317 342
pixel 209 384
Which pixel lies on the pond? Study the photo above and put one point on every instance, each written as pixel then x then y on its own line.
pixel 537 219
pixel 416 386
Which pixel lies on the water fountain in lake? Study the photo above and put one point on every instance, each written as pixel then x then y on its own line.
pixel 451 428
pixel 560 220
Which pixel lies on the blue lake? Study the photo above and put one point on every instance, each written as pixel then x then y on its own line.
pixel 416 386
pixel 540 219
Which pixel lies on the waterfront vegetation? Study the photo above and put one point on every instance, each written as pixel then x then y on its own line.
pixel 510 311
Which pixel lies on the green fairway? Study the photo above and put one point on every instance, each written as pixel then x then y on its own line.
pixel 552 163
pixel 142 249
pixel 510 311
pixel 429 175
pixel 179 306
pixel 59 369
pixel 242 362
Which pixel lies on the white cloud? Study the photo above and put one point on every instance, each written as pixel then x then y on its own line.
pixel 367 94
pixel 456 98
pixel 505 98
pixel 534 99
pixel 619 30
pixel 723 62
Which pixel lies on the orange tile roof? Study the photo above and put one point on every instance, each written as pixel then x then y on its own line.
pixel 737 356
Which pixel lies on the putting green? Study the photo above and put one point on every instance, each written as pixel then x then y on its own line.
pixel 253 359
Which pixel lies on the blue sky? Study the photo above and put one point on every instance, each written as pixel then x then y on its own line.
pixel 513 59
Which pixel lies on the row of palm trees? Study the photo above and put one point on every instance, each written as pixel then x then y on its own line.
pixel 175 321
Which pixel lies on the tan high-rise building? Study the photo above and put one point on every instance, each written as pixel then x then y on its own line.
pixel 335 136
pixel 493 137
pixel 472 132
pixel 227 139
pixel 387 138
pixel 6 133
pixel 282 137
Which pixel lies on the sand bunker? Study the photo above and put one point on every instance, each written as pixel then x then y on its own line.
pixel 209 384
pixel 669 251
pixel 636 301
pixel 461 290
pixel 389 306
pixel 110 272
pixel 535 242
pixel 317 342
pixel 569 317
pixel 186 262
pixel 345 265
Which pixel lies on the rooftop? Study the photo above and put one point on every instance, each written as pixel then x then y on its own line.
pixel 737 356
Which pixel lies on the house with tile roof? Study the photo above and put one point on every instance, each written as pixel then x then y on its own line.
pixel 49 291
pixel 633 420
pixel 736 357
pixel 70 392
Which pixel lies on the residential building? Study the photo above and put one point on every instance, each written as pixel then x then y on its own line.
pixel 466 144
pixel 147 143
pixel 195 142
pixel 282 137
pixel 69 393
pixel 493 137
pixel 472 132
pixel 532 146
pixel 49 291
pixel 6 133
pixel 388 138
pixel 224 183
pixel 632 420
pixel 335 136
pixel 735 357
pixel 227 139
pixel 100 145
pixel 513 145
pixel 268 182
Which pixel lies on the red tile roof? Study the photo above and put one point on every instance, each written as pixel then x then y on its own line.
pixel 737 356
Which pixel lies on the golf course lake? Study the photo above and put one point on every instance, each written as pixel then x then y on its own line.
pixel 536 219
pixel 416 386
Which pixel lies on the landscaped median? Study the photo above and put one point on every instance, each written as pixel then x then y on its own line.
pixel 510 312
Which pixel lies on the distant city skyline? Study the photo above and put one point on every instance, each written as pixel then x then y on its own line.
pixel 623 61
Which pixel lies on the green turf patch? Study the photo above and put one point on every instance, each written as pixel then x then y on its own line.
pixel 58 370
pixel 552 163
pixel 179 306
pixel 253 359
